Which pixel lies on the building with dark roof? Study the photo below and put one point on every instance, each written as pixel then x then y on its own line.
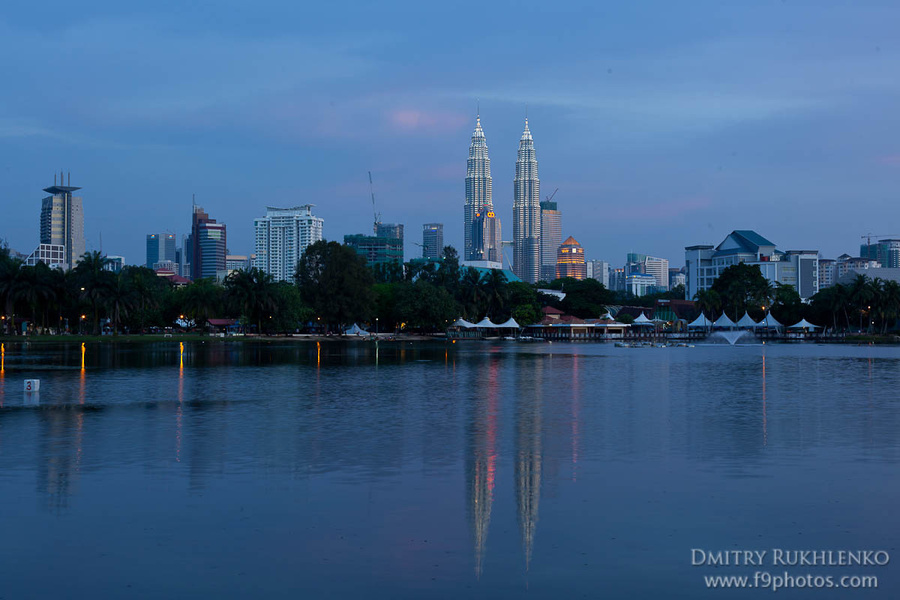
pixel 704 263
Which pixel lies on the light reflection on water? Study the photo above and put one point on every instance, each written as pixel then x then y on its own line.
pixel 403 470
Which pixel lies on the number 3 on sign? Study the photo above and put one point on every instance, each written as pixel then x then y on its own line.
pixel 29 385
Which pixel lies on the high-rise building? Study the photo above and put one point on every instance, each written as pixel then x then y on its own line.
pixel 160 248
pixel 377 250
pixel 527 212
pixel 641 264
pixel 62 220
pixel 570 260
pixel 432 240
pixel 208 245
pixel 390 230
pixel 478 185
pixel 885 251
pixel 486 239
pixel 599 270
pixel 551 238
pixel 282 236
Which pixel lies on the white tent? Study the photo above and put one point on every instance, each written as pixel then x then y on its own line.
pixel 747 321
pixel 462 323
pixel 770 321
pixel 699 322
pixel 485 322
pixel 642 320
pixel 804 324
pixel 510 324
pixel 724 321
pixel 607 316
pixel 356 330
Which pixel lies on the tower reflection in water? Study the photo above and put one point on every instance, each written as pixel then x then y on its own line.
pixel 528 455
pixel 481 462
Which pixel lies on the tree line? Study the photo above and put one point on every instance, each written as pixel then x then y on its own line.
pixel 864 304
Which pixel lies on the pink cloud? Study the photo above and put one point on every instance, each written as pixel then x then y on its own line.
pixel 414 120
pixel 891 160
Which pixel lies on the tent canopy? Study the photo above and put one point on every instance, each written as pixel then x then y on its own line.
pixel 724 321
pixel 356 330
pixel 642 320
pixel 769 321
pixel 485 322
pixel 462 323
pixel 746 321
pixel 804 324
pixel 700 321
pixel 510 324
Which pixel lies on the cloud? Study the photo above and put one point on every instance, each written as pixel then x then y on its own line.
pixel 891 160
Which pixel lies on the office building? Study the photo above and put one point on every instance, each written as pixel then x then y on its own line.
pixel 433 240
pixel 62 221
pixel 478 185
pixel 570 260
pixel 52 255
pixel 798 268
pixel 551 238
pixel 648 265
pixel 640 284
pixel 486 239
pixel 527 212
pixel 281 238
pixel 375 249
pixel 886 252
pixel 160 248
pixel 208 245
pixel 114 264
pixel 676 277
pixel 599 270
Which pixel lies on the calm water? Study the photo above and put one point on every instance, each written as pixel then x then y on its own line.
pixel 447 471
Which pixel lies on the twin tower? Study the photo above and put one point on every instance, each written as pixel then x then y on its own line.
pixel 482 227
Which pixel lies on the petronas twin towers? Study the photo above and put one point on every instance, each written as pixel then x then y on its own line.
pixel 482 228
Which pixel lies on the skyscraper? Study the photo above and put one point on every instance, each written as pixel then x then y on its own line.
pixel 486 238
pixel 432 240
pixel 551 238
pixel 527 212
pixel 62 220
pixel 478 185
pixel 208 243
pixel 160 248
pixel 282 236
pixel 570 260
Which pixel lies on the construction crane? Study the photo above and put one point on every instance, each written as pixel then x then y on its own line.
pixel 374 211
pixel 550 197
pixel 868 237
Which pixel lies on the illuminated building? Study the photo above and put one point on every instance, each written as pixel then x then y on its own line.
pixel 478 185
pixel 160 248
pixel 208 243
pixel 432 240
pixel 570 260
pixel 527 212
pixel 486 236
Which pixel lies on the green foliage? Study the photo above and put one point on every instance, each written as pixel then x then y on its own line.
pixel 627 319
pixel 787 306
pixel 742 287
pixel 584 299
pixel 336 284
pixel 425 306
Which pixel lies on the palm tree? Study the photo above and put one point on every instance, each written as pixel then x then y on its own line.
pixel 120 298
pixel 709 302
pixel 141 283
pixel 495 291
pixel 11 286
pixel 200 299
pixel 891 299
pixel 471 293
pixel 253 293
pixel 861 294
pixel 37 292
pixel 94 281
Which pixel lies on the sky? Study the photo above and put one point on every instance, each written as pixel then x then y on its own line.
pixel 662 124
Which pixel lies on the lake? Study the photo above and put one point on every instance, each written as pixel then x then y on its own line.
pixel 434 470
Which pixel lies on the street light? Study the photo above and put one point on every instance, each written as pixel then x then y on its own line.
pixel 376 325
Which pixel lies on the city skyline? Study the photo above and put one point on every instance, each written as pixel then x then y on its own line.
pixel 639 120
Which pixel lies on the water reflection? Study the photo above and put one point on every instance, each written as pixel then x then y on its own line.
pixel 314 450
pixel 528 456
pixel 481 461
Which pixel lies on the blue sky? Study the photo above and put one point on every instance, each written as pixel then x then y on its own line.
pixel 662 124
